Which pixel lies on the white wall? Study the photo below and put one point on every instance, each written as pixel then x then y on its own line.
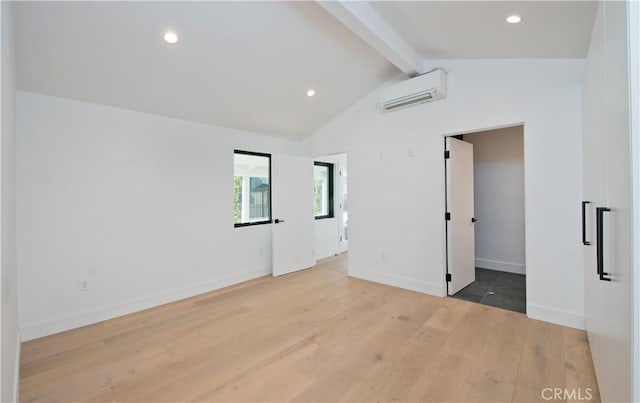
pixel 498 165
pixel 139 206
pixel 396 178
pixel 10 335
pixel 327 230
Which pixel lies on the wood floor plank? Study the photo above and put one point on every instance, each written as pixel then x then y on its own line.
pixel 400 320
pixel 81 375
pixel 103 394
pixel 449 314
pixel 403 366
pixel 314 336
pixel 274 379
pixel 472 331
pixel 579 372
pixel 82 385
pixel 443 378
pixel 493 375
pixel 542 363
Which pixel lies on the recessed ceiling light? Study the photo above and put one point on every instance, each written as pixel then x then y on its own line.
pixel 311 93
pixel 514 19
pixel 170 37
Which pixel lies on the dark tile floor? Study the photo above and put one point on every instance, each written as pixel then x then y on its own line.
pixel 496 288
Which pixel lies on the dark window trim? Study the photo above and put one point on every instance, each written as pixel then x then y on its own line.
pixel 330 167
pixel 270 220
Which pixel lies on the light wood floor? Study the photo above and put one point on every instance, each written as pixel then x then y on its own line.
pixel 311 336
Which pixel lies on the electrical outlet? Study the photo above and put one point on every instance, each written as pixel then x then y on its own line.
pixel 411 153
pixel 84 285
pixel 383 256
pixel 262 251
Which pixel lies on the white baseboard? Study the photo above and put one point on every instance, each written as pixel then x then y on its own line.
pixel 570 319
pixel 35 330
pixel 397 281
pixel 326 255
pixel 501 266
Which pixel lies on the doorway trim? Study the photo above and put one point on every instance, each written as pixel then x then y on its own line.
pixel 445 260
pixel 334 158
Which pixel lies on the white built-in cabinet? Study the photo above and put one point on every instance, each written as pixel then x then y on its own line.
pixel 607 184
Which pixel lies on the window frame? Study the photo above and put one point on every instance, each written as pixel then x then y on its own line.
pixel 329 166
pixel 270 220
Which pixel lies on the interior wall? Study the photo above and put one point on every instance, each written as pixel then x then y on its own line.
pixel 498 165
pixel 396 171
pixel 10 334
pixel 138 206
pixel 327 230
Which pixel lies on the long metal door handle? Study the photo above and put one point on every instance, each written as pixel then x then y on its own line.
pixel 584 223
pixel 600 242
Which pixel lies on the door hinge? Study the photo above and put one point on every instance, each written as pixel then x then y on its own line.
pixel 448 277
pixel 446 154
pixel 447 216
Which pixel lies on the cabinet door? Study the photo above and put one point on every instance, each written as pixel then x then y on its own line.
pixel 607 184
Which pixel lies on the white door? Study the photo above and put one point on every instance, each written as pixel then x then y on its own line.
pixel 292 208
pixel 460 224
pixel 607 166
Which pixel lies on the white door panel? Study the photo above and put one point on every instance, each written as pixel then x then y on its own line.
pixel 460 204
pixel 607 181
pixel 292 208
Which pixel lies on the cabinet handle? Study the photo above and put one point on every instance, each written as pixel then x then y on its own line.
pixel 584 223
pixel 600 242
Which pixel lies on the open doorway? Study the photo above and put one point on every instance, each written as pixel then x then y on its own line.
pixel 330 205
pixel 495 193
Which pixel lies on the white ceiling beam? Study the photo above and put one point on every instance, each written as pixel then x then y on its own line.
pixel 365 22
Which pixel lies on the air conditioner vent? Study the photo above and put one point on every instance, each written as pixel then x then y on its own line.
pixel 427 87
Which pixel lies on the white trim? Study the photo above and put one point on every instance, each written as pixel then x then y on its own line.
pixel 634 81
pixel 546 314
pixel 485 129
pixel 397 281
pixel 35 330
pixel 16 372
pixel 509 267
pixel 327 255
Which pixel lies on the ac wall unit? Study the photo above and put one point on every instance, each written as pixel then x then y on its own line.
pixel 427 87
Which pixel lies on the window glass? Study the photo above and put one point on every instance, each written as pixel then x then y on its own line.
pixel 251 188
pixel 323 190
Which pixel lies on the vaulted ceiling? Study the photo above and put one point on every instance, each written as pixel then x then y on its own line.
pixel 477 29
pixel 248 65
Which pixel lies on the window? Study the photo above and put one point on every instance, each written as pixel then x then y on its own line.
pixel 323 186
pixel 251 188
